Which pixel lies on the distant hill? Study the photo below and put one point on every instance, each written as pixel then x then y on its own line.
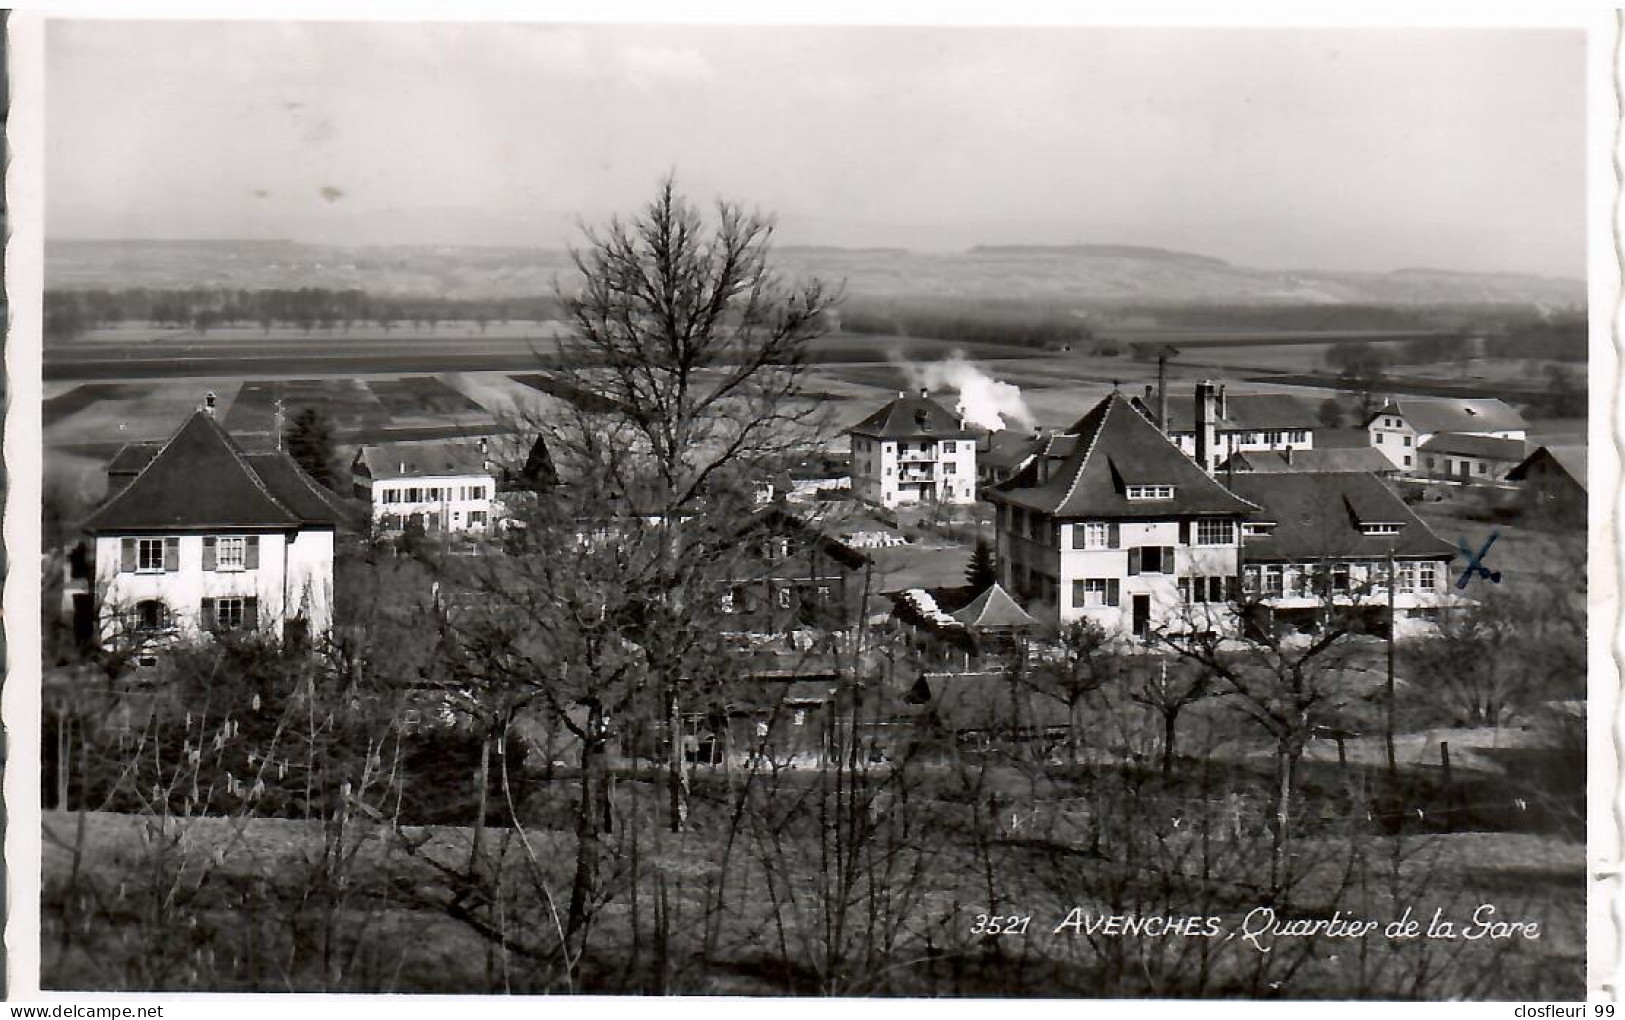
pixel 1097 251
pixel 1100 275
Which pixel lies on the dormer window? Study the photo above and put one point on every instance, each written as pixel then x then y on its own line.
pixel 1150 492
pixel 1381 528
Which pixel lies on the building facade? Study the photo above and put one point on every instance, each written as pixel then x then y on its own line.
pixel 1321 540
pixel 913 451
pixel 1400 427
pixel 442 486
pixel 1111 522
pixel 1221 425
pixel 1457 457
pixel 206 537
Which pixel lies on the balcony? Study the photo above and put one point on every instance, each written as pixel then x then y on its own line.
pixel 918 457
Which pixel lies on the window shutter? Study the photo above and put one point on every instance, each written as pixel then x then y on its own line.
pixel 126 554
pixel 1167 559
pixel 1113 591
pixel 251 552
pixel 208 552
pixel 1184 532
pixel 172 553
pixel 1114 537
pixel 251 613
pixel 1134 561
pixel 208 614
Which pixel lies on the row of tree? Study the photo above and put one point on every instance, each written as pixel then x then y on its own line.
pixel 69 313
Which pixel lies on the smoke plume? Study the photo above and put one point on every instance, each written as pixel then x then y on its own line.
pixel 983 400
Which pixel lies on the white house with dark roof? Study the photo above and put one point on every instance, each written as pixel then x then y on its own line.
pixel 1328 536
pixel 913 450
pixel 1111 522
pixel 1467 458
pixel 199 535
pixel 1400 427
pixel 1220 425
pixel 1335 460
pixel 445 485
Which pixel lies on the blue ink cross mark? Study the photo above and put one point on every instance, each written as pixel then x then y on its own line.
pixel 1475 562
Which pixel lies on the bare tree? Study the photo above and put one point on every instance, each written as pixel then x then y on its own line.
pixel 682 329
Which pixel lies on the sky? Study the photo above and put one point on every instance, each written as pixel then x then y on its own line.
pixel 1333 148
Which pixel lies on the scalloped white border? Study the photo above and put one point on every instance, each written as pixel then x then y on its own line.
pixel 22 446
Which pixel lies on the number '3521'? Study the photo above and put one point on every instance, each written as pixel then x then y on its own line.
pixel 1001 924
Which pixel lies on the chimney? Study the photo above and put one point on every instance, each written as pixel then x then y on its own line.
pixel 1206 425
pixel 483 447
pixel 208 403
pixel 925 394
pixel 1162 391
pixel 1149 389
pixel 403 467
pixel 1289 456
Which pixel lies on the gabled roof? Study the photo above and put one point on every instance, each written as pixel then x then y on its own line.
pixel 994 609
pixel 201 478
pixel 1007 449
pixel 1317 516
pixel 912 417
pixel 1248 412
pixel 1486 447
pixel 430 459
pixel 1106 450
pixel 1453 414
pixel 132 457
pixel 1359 459
pixel 1571 460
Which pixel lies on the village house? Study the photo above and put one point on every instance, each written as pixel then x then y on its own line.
pixel 782 573
pixel 1400 427
pixel 1221 425
pixel 1322 539
pixel 444 485
pixel 199 535
pixel 913 451
pixel 1552 483
pixel 1456 456
pixel 1111 522
pixel 1358 459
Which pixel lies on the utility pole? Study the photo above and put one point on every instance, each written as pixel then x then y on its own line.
pixel 1388 714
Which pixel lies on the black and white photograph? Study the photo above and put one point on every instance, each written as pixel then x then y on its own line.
pixel 910 509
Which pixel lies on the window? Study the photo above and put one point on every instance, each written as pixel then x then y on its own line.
pixel 1407 460
pixel 1091 536
pixel 1432 463
pixel 151 614
pixel 1151 559
pixel 1256 530
pixel 149 554
pixel 823 593
pixel 725 602
pixel 1150 492
pixel 1274 579
pixel 1201 589
pixel 1483 467
pixel 1089 592
pixel 1299 436
pixel 950 468
pixel 948 448
pixel 1215 532
pixel 1379 438
pixel 235 613
pixel 784 598
pixel 1427 576
pixel 230 553
pixel 1407 440
pixel 476 518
